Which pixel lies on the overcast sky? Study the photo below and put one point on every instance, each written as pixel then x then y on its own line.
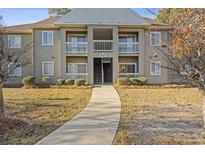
pixel 30 15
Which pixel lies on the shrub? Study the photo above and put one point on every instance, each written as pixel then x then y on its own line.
pixel 69 82
pixel 142 80
pixel 134 81
pixel 79 82
pixel 45 79
pixel 60 82
pixel 123 81
pixel 139 81
pixel 28 80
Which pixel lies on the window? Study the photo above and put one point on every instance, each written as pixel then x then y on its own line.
pixel 76 43
pixel 126 39
pixel 128 44
pixel 77 38
pixel 47 38
pixel 127 68
pixel 155 38
pixel 155 68
pixel 76 68
pixel 47 68
pixel 14 41
pixel 14 69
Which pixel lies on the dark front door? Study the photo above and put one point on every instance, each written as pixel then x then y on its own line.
pixel 107 72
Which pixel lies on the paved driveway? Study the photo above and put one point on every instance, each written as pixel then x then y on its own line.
pixel 96 124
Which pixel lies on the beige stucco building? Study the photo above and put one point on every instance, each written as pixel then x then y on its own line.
pixel 99 45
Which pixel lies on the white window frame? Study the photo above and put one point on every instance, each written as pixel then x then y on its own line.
pixel 77 43
pixel 43 37
pixel 68 37
pixel 78 64
pixel 53 70
pixel 20 72
pixel 9 41
pixel 129 64
pixel 127 43
pixel 151 43
pixel 154 73
pixel 128 35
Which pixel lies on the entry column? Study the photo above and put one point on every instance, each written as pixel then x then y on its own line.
pixel 90 54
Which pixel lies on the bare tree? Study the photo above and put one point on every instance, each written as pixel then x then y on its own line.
pixel 10 59
pixel 186 54
pixel 58 11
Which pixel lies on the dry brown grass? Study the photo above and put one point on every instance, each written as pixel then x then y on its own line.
pixel 160 116
pixel 41 110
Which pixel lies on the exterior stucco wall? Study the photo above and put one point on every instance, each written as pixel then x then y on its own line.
pixel 148 56
pixel 27 69
pixel 128 59
pixel 56 53
pixel 46 53
pixel 112 54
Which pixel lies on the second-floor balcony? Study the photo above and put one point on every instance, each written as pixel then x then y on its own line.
pixel 76 47
pixel 103 45
pixel 128 47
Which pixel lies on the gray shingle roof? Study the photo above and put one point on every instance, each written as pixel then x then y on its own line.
pixel 105 16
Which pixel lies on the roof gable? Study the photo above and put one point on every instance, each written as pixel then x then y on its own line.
pixel 105 16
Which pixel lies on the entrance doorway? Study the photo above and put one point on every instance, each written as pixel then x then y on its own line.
pixel 103 70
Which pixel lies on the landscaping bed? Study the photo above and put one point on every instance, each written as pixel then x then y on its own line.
pixel 160 116
pixel 34 113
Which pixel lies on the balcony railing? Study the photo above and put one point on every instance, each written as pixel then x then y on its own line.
pixel 128 47
pixel 75 76
pixel 76 47
pixel 103 45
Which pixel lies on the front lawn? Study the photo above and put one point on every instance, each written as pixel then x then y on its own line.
pixel 36 112
pixel 160 116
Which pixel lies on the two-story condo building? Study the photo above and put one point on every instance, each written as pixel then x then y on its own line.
pixel 98 45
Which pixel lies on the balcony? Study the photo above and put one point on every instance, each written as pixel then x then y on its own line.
pixel 103 45
pixel 128 47
pixel 76 47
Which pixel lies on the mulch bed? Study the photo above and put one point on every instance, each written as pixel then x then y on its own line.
pixel 154 86
pixel 48 86
pixel 9 124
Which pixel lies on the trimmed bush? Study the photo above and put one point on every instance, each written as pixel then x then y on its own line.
pixel 45 79
pixel 60 82
pixel 79 82
pixel 123 81
pixel 142 80
pixel 69 82
pixel 139 81
pixel 28 80
pixel 134 81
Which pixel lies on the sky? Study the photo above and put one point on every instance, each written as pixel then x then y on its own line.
pixel 12 16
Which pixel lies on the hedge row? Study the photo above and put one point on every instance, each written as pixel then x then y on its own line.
pixel 30 80
pixel 77 82
pixel 132 81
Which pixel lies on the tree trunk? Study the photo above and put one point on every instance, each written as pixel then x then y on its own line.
pixel 2 114
pixel 203 108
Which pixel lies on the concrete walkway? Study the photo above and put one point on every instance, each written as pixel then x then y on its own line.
pixel 96 124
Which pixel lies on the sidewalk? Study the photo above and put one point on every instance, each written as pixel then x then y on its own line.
pixel 96 124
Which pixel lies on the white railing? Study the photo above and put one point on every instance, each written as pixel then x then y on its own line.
pixel 129 75
pixel 76 47
pixel 75 76
pixel 103 45
pixel 128 47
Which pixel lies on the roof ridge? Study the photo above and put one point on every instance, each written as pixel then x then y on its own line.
pixel 73 10
pixel 21 25
pixel 48 18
